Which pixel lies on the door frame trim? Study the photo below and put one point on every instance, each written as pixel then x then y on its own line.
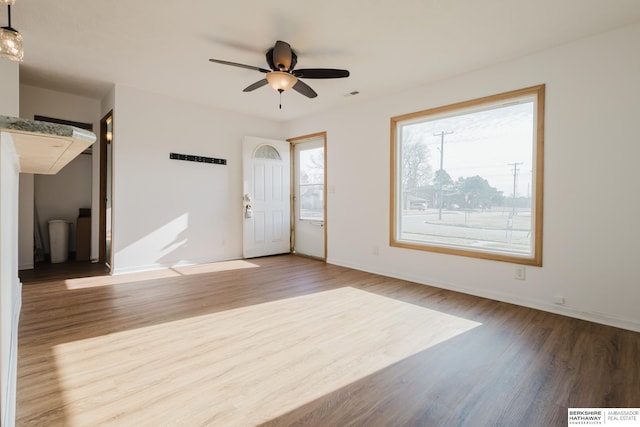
pixel 102 234
pixel 292 142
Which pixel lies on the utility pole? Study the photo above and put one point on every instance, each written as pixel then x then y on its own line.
pixel 515 183
pixel 440 193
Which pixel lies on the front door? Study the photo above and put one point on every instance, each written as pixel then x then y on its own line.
pixel 266 197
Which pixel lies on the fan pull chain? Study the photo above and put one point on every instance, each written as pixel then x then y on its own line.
pixel 280 90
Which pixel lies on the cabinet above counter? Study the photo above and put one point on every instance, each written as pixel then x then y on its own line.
pixel 43 147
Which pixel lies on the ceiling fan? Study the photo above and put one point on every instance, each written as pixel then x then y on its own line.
pixel 282 75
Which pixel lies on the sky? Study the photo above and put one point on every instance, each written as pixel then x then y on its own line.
pixel 484 143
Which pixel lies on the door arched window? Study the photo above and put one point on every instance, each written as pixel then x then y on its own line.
pixel 267 152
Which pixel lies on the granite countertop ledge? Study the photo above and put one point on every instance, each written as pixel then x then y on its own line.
pixel 42 147
pixel 46 128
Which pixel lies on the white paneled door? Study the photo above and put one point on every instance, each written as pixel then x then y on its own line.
pixel 266 197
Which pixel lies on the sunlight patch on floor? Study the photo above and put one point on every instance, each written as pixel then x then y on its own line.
pixel 164 273
pixel 214 267
pixel 243 366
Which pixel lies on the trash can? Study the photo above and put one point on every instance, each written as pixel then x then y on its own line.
pixel 59 240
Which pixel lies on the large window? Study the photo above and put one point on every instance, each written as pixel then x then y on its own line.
pixel 467 178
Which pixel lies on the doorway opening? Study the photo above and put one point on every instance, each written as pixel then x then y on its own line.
pixel 309 179
pixel 64 197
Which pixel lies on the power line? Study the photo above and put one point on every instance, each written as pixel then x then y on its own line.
pixel 440 194
pixel 516 169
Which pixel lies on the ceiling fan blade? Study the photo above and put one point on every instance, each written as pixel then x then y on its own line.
pixel 305 89
pixel 235 64
pixel 256 85
pixel 320 73
pixel 282 56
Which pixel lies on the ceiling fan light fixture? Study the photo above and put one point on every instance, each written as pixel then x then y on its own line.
pixel 281 81
pixel 10 39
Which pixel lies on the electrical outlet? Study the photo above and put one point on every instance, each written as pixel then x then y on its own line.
pixel 521 273
pixel 558 299
pixel 375 251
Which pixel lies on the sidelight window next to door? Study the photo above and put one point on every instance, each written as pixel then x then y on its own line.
pixel 311 183
pixel 309 197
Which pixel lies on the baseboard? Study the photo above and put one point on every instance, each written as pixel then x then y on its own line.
pixel 564 310
pixel 28 266
pixel 160 266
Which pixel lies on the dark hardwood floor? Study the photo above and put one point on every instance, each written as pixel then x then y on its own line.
pixel 285 340
pixel 46 271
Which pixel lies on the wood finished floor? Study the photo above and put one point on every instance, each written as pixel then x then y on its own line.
pixel 286 340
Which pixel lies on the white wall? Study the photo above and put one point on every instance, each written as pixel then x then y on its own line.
pixel 11 298
pixel 77 184
pixel 25 223
pixel 591 208
pixel 170 212
pixel 10 287
pixel 9 88
pixel 108 103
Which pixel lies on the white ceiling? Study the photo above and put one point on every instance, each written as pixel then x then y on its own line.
pixel 84 47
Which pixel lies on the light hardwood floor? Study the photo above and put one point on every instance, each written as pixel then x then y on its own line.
pixel 286 340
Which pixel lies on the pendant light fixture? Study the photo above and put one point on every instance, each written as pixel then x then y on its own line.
pixel 10 38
